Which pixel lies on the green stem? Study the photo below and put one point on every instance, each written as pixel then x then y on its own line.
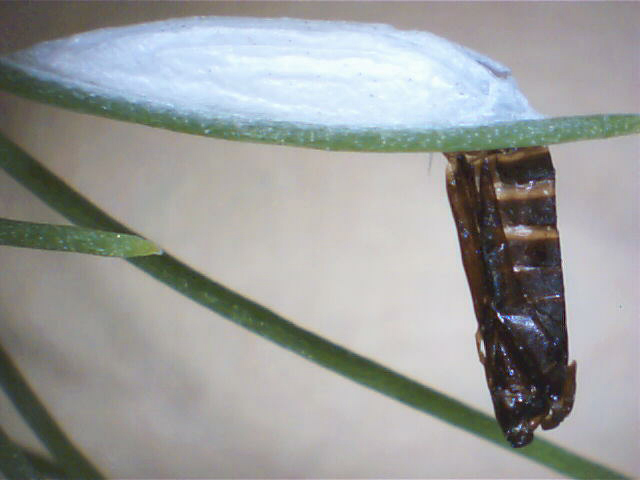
pixel 42 464
pixel 69 238
pixel 262 321
pixel 35 414
pixel 19 80
pixel 14 465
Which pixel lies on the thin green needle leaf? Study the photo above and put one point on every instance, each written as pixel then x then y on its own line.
pixel 69 238
pixel 59 196
pixel 44 426
pixel 14 465
pixel 46 467
pixel 523 133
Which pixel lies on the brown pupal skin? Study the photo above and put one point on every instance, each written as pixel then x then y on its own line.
pixel 503 204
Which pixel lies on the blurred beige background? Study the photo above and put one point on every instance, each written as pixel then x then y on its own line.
pixel 360 248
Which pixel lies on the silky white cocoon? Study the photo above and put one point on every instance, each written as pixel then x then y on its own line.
pixel 306 72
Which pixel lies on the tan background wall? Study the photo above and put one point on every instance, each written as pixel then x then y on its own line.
pixel 359 248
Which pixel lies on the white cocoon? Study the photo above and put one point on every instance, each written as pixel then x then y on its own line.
pixel 301 71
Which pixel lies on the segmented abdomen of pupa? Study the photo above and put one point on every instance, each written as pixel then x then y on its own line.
pixel 525 190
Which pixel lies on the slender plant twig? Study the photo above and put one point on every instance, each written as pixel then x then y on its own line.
pixel 262 321
pixel 38 466
pixel 522 133
pixel 46 467
pixel 14 465
pixel 74 463
pixel 69 238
